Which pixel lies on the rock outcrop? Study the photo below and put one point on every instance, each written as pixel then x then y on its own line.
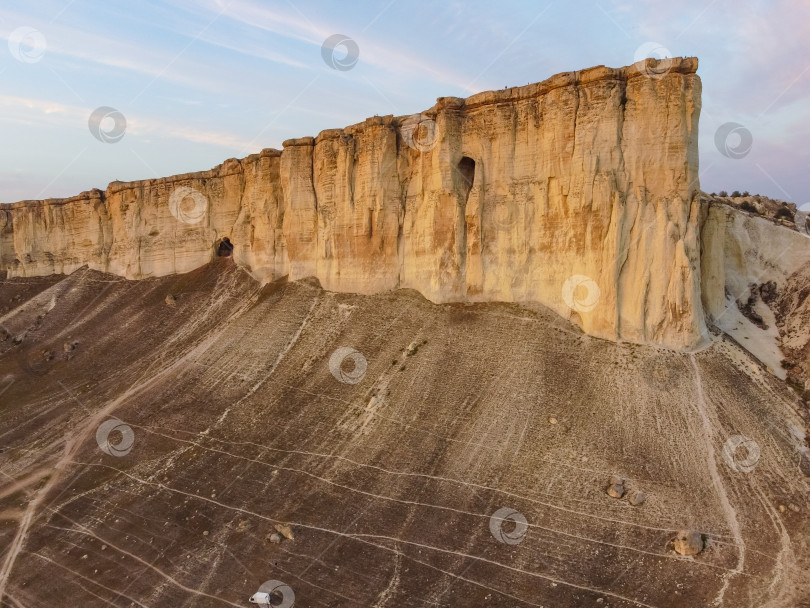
pixel 740 250
pixel 755 280
pixel 779 212
pixel 580 192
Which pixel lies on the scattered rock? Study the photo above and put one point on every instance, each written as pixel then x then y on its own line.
pixel 747 308
pixel 552 421
pixel 171 300
pixel 18 339
pixel 781 508
pixel 616 487
pixel 637 498
pixel 205 533
pixel 412 348
pixel 793 508
pixel 70 346
pixel 274 538
pixel 768 293
pixel 688 542
pixel 285 531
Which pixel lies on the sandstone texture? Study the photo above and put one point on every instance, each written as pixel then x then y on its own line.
pixel 580 192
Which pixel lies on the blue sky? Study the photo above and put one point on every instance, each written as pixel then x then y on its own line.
pixel 200 81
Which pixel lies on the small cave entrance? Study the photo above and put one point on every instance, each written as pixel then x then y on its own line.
pixel 466 172
pixel 225 248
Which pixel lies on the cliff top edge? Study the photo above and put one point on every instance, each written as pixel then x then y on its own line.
pixel 646 68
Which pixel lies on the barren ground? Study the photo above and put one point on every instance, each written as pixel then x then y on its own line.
pixel 388 483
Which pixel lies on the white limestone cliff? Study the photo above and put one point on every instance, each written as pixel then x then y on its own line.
pixel 580 192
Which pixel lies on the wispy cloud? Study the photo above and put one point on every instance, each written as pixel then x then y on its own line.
pixel 95 46
pixel 404 62
pixel 22 110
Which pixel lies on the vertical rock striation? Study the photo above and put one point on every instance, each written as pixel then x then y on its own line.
pixel 503 196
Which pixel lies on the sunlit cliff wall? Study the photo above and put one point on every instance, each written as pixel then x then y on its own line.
pixel 503 196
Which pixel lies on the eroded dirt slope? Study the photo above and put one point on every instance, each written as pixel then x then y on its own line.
pixel 388 476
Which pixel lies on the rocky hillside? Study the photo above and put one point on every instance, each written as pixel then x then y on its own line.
pixel 778 211
pixel 179 441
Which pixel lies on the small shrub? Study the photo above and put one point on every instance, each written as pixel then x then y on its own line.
pixel 746 206
pixel 735 194
pixel 723 193
pixel 786 213
pixel 746 193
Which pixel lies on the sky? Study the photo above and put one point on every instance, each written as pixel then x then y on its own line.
pixel 93 91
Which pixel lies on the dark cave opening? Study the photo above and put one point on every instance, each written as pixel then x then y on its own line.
pixel 466 170
pixel 225 248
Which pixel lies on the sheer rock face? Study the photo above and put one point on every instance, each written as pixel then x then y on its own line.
pixel 503 196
